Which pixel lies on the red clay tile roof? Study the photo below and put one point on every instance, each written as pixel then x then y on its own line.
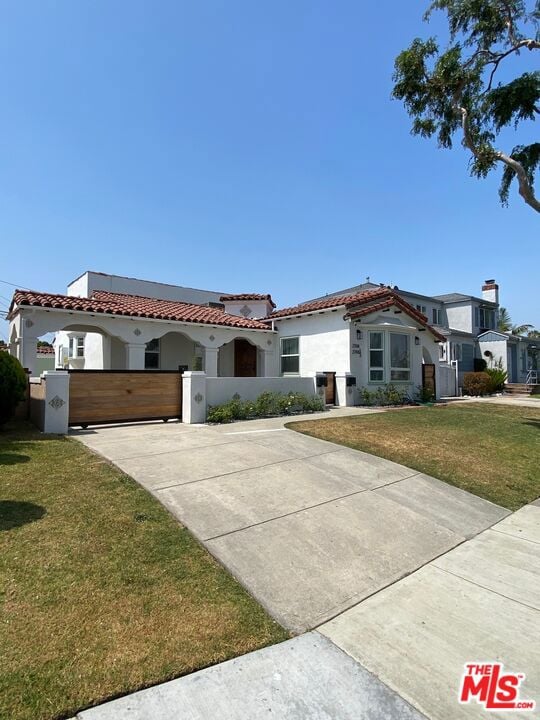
pixel 367 302
pixel 248 296
pixel 330 302
pixel 135 306
pixel 45 350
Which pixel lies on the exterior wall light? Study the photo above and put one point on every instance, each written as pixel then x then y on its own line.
pixel 358 334
pixel 416 340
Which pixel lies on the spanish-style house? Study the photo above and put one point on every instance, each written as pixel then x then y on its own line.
pixel 359 337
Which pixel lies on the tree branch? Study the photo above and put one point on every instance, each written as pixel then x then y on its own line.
pixel 525 189
pixel 529 44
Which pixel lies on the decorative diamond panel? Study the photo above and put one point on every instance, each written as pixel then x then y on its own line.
pixel 28 323
pixel 198 398
pixel 245 311
pixel 212 338
pixel 236 396
pixel 137 332
pixel 268 342
pixel 56 403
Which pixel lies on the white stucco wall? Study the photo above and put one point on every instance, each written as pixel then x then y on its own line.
pixel 176 349
pixel 259 308
pixel 499 350
pixel 90 281
pixel 221 390
pixel 461 316
pixel 324 341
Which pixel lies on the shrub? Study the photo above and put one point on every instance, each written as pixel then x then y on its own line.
pixel 479 364
pixel 383 395
pixel 266 405
pixel 13 383
pixel 476 383
pixel 497 377
pixel 424 394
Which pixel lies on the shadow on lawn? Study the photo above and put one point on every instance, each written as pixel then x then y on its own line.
pixel 532 422
pixel 10 458
pixel 14 513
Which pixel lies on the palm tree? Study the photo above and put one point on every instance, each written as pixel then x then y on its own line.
pixel 520 329
pixel 533 334
pixel 505 321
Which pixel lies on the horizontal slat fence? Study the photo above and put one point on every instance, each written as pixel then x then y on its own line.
pixel 107 396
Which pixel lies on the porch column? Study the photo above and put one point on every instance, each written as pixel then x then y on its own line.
pixel 211 361
pixel 135 356
pixel 28 353
pixel 267 363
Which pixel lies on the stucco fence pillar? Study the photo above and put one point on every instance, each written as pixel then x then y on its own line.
pixel 49 402
pixel 344 392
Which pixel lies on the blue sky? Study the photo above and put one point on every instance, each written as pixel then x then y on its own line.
pixel 237 146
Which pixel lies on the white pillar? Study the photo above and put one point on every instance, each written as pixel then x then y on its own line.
pixel 344 394
pixel 28 353
pixel 135 356
pixel 268 361
pixel 56 416
pixel 211 361
pixel 193 397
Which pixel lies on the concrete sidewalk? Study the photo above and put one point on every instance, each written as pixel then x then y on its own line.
pixel 478 602
pixel 310 528
pixel 304 678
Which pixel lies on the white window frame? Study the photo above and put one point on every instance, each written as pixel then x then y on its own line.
pixel 436 315
pixel 288 355
pixel 400 369
pixel 422 309
pixel 153 352
pixel 76 347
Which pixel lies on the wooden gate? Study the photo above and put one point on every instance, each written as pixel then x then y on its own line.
pixel 108 396
pixel 428 378
pixel 330 390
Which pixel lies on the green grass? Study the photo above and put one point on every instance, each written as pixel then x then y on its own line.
pixel 101 591
pixel 490 450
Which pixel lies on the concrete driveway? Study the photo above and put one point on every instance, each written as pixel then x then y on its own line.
pixel 309 527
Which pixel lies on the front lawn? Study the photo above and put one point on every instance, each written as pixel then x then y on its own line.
pixel 101 591
pixel 490 450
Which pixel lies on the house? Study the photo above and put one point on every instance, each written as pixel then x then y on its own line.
pixel 364 336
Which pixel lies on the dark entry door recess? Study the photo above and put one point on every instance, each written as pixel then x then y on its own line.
pixel 330 390
pixel 245 359
pixel 428 377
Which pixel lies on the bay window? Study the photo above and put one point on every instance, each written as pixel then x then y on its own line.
pixel 400 357
pixel 376 357
pixel 389 357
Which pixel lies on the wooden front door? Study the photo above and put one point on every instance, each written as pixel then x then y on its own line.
pixel 428 378
pixel 330 390
pixel 245 359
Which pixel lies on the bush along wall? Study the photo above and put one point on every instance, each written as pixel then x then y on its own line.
pixel 385 395
pixel 268 404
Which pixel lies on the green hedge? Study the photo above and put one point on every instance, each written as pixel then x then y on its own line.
pixel 268 404
pixel 13 382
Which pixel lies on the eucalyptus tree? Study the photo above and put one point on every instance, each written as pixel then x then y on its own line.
pixel 470 88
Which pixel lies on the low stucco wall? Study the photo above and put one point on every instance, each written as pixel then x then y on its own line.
pixel 221 389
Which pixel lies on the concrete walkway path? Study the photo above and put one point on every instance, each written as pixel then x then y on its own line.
pixel 310 528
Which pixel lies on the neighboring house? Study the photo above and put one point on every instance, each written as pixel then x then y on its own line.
pixel 364 336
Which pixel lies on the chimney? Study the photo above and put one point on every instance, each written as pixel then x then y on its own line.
pixel 490 291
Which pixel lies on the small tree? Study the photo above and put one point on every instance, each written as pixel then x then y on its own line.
pixel 12 385
pixel 455 90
